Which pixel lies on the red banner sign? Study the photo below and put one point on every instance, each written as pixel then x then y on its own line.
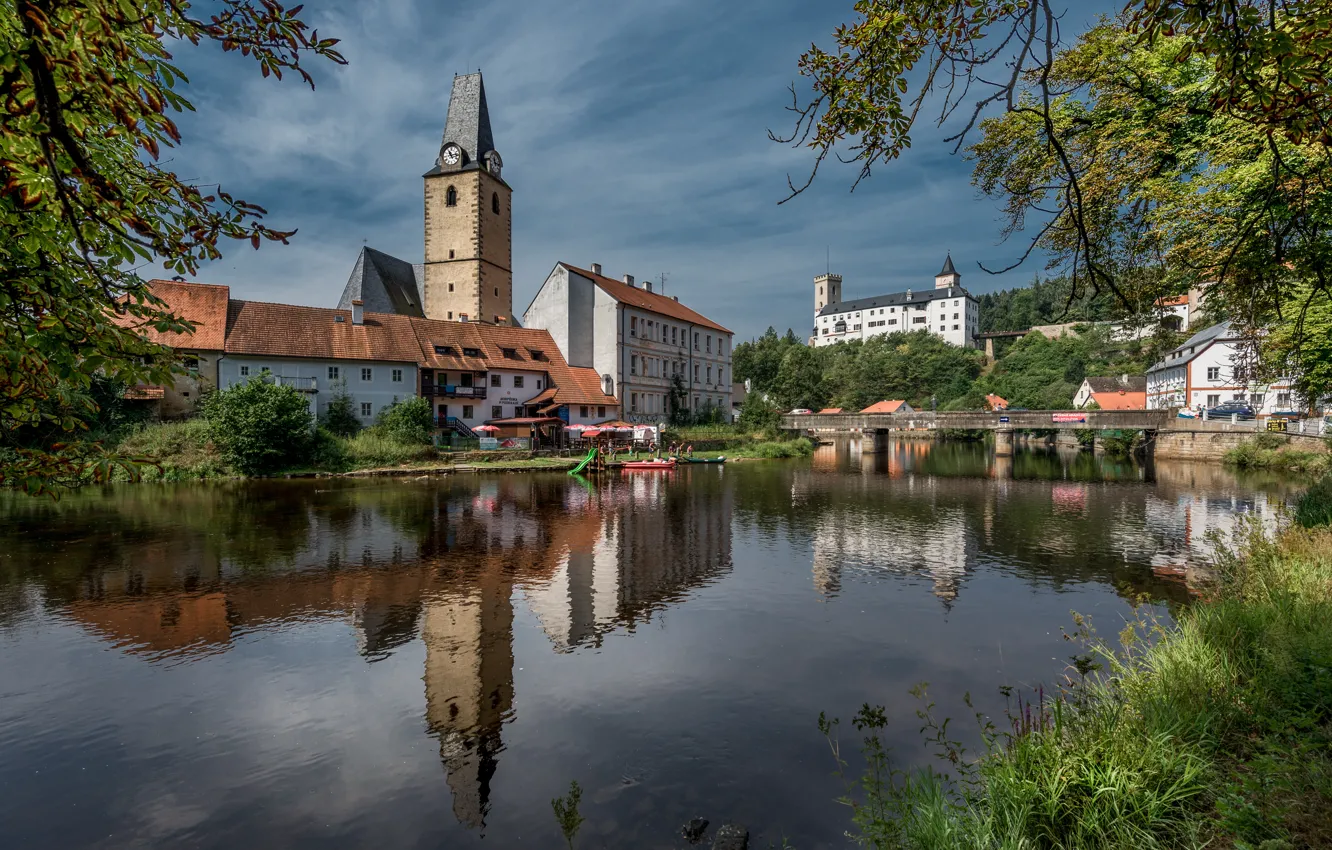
pixel 1069 417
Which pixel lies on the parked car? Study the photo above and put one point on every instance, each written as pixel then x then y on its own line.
pixel 801 411
pixel 1227 409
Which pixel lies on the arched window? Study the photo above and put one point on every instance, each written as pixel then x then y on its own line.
pixel 608 385
pixel 494 202
pixel 451 197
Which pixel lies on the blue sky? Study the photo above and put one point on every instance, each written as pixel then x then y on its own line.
pixel 634 135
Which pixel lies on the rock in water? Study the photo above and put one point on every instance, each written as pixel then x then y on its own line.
pixel 731 837
pixel 693 831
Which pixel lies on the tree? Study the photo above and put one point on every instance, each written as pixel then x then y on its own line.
pixel 340 417
pixel 89 88
pixel 758 414
pixel 407 421
pixel 677 401
pixel 1181 139
pixel 260 426
pixel 799 381
pixel 1308 366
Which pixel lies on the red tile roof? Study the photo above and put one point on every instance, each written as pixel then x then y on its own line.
pixel 831 410
pixel 201 303
pixel 284 330
pixel 1122 400
pixel 995 402
pixel 644 300
pixel 886 406
pixel 1174 301
pixel 144 392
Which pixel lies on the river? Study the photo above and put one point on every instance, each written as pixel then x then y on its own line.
pixel 427 662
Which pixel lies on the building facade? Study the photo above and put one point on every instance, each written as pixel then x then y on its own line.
pixel 948 311
pixel 1201 373
pixel 643 345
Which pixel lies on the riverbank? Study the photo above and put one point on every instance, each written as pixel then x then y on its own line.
pixel 1216 731
pixel 1273 451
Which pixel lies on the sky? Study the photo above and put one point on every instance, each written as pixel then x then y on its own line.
pixel 634 135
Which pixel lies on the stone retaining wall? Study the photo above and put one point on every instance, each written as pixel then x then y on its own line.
pixel 1212 445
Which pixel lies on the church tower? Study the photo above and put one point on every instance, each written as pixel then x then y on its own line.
pixel 468 217
pixel 827 290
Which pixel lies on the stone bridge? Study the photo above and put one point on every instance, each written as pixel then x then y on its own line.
pixel 1002 422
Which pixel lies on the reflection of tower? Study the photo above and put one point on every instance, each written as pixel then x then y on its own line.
pixel 469 686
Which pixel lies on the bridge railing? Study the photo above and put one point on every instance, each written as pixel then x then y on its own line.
pixel 1138 420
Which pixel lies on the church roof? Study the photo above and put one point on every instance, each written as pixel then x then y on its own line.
pixel 468 122
pixel 948 266
pixel 385 284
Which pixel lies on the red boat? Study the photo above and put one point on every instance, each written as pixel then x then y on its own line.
pixel 648 464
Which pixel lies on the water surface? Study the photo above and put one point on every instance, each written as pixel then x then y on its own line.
pixel 426 663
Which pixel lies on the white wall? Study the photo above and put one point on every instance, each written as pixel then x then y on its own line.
pixel 1209 379
pixel 899 318
pixel 378 392
pixel 506 396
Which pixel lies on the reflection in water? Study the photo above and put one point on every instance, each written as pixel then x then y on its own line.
pixel 470 573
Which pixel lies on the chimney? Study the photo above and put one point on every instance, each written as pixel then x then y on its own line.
pixel 677 298
pixel 647 284
pixel 908 295
pixel 596 268
pixel 358 312
pixel 629 279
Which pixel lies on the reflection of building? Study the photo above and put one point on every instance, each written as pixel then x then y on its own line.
pixel 934 545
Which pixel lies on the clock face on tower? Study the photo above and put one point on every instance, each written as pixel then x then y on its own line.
pixel 451 155
pixel 494 163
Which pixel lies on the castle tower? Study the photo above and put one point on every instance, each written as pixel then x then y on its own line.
pixel 468 221
pixel 947 275
pixel 827 290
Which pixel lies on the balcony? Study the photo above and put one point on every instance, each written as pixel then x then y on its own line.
pixel 303 385
pixel 452 391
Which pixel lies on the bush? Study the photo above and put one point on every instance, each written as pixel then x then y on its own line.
pixel 329 452
pixel 409 421
pixel 376 447
pixel 260 427
pixel 759 414
pixel 340 418
pixel 800 447
pixel 1315 506
pixel 177 450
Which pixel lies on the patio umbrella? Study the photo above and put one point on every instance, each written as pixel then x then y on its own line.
pixel 576 427
pixel 486 428
pixel 591 432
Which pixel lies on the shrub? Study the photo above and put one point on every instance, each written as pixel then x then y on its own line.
pixel 409 421
pixel 259 426
pixel 340 418
pixel 177 450
pixel 329 451
pixel 1315 506
pixel 800 447
pixel 758 414
pixel 376 447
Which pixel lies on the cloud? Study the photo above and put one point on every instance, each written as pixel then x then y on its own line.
pixel 634 136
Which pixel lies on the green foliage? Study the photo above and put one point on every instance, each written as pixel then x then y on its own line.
pixel 1271 451
pixel 566 812
pixel 410 421
pixel 778 449
pixel 1300 345
pixel 677 401
pixel 375 447
pixel 260 426
pixel 89 92
pixel 1315 506
pixel 1039 373
pixel 1208 732
pixel 175 451
pixel 758 414
pixel 1044 302
pixel 340 418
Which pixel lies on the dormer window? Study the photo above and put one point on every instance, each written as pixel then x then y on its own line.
pixel 537 354
pixel 471 352
pixel 509 353
pixel 446 350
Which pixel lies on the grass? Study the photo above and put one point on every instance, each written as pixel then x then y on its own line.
pixel 177 451
pixel 1272 451
pixel 371 448
pixel 767 450
pixel 1212 732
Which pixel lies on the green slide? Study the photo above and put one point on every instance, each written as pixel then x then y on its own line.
pixel 591 455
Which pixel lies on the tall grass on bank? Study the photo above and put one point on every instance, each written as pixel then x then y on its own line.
pixel 1272 451
pixel 373 447
pixel 178 451
pixel 1216 732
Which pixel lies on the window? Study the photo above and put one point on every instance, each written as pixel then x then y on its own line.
pixel 471 352
pixel 450 314
pixel 582 411
pixel 954 327
pixel 450 287
pixel 954 316
pixel 397 376
pixel 709 374
pixel 465 378
pixel 494 203
pixel 538 384
pixel 332 373
pixel 509 353
pixel 450 253
pixel 696 373
pixel 494 380
pixel 918 320
pixel 467 411
pixel 608 385
pixel 696 341
pixel 496 412
pixel 1283 400
pixel 443 411
pixel 451 197
pixel 719 375
pixel 633 326
pixel 709 343
pixel 601 411
pixel 1213 400
pixel 366 408
pixel 367 374
pixel 191 362
pixel 517 381
pixel 633 364
pixel 633 402
pixel 444 349
pixel 245 371
pixel 1256 400
pixel 1213 373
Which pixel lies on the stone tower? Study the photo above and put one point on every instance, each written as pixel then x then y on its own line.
pixel 947 275
pixel 468 217
pixel 827 290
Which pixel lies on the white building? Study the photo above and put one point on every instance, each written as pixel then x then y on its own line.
pixel 1201 373
pixel 948 311
pixel 637 340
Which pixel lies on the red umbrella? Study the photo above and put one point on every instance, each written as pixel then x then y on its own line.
pixel 591 432
pixel 486 428
pixel 576 427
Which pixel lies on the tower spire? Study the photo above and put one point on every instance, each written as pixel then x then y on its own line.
pixel 468 122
